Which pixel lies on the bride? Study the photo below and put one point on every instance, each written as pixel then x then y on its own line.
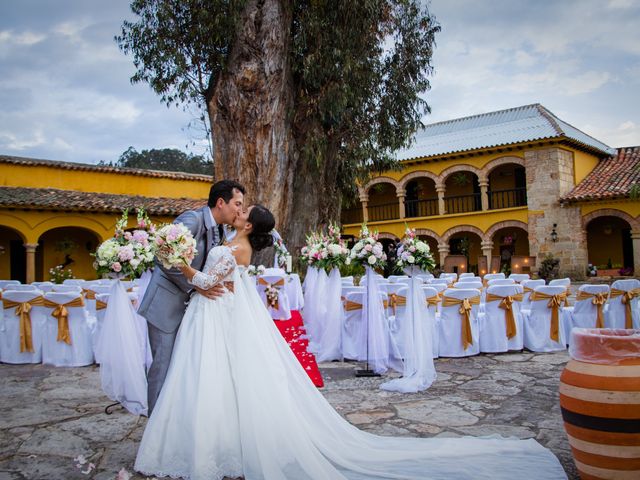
pixel 237 403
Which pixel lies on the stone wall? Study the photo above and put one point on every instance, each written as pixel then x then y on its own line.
pixel 550 174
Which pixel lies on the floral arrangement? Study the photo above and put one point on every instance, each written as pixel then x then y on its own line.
pixel 271 292
pixel 592 270
pixel 281 253
pixel 175 245
pixel 368 250
pixel 255 271
pixel 413 252
pixel 326 251
pixel 127 254
pixel 58 274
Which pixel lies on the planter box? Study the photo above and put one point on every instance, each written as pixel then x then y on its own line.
pixel 611 272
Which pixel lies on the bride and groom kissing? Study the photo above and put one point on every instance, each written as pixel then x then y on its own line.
pixel 228 398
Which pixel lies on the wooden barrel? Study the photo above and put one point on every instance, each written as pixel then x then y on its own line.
pixel 600 403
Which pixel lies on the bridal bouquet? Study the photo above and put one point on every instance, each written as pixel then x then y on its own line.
pixel 175 245
pixel 368 250
pixel 413 252
pixel 127 254
pixel 255 271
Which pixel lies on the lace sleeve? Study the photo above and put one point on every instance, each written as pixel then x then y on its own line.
pixel 215 274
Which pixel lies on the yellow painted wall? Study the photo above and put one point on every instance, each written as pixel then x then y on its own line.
pixel 49 256
pixel 583 163
pixel 632 207
pixel 6 236
pixel 41 176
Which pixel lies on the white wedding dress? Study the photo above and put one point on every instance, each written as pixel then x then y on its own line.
pixel 237 403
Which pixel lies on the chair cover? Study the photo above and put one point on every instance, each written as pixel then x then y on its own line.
pixel 66 288
pixel 124 352
pixel 309 280
pixel 396 312
pixel 623 307
pixel 310 289
pixel 279 307
pixel 542 329
pixel 588 311
pixel 469 282
pixel 452 277
pixel 394 278
pixel 417 331
pixel 501 324
pixel 353 335
pixel 466 275
pixel 564 282
pixel 493 276
pixel 433 300
pixel 350 288
pixel 440 281
pixel 5 283
pixel 22 288
pixel 329 345
pixel 501 281
pixel 44 286
pixel 16 344
pixel 73 281
pixel 529 286
pixel 452 323
pixel 519 277
pixel 425 277
pixel 293 287
pixel 347 280
pixel 66 313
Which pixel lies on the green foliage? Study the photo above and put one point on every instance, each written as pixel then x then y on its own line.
pixel 358 71
pixel 549 268
pixel 167 159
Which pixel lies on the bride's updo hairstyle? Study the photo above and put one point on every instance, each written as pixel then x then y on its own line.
pixel 263 222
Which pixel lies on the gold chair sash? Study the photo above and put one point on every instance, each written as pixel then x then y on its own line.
pixel 100 305
pixel 396 300
pixel 506 304
pixel 555 301
pixel 465 311
pixel 350 306
pixel 23 310
pixel 61 313
pixel 598 299
pixel 273 302
pixel 89 294
pixel 433 301
pixel 627 297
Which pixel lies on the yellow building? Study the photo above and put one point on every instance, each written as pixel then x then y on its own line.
pixel 56 213
pixel 503 189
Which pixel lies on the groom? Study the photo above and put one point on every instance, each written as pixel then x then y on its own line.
pixel 165 299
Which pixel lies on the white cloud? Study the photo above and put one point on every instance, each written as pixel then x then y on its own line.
pixel 14 142
pixel 625 134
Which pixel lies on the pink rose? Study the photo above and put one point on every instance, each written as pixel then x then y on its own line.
pixel 159 240
pixel 116 267
pixel 127 235
pixel 368 248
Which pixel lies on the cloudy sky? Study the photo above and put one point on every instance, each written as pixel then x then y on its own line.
pixel 65 92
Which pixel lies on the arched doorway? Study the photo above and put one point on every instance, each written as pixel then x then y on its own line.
pixel 507 186
pixel 467 245
pixel 462 193
pixel 421 198
pixel 383 202
pixel 68 246
pixel 351 212
pixel 609 244
pixel 510 252
pixel 13 257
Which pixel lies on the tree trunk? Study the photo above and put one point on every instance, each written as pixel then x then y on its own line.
pixel 252 115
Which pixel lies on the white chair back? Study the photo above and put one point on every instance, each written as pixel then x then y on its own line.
pixel 283 312
pixel 440 281
pixel 425 277
pixel 450 327
pixel 500 281
pixel 537 322
pixel 519 277
pixel 44 286
pixel 451 276
pixel 22 288
pixel 354 346
pixel 394 278
pixel 531 285
pixel 66 289
pixel 563 282
pixel 466 275
pixel 470 283
pixel 5 283
pixel 493 325
pixel 10 327
pixel 616 313
pixel 432 317
pixel 73 281
pixel 347 280
pixel 493 276
pixel 469 278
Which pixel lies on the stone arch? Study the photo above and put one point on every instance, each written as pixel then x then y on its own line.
pixel 634 223
pixel 18 225
pixel 103 232
pixel 378 180
pixel 463 228
pixel 388 236
pixel 418 174
pixel 486 170
pixel 460 168
pixel 507 223
pixel 430 233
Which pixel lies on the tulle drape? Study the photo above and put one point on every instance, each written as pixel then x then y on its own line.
pixel 329 344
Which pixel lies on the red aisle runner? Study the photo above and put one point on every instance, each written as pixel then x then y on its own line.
pixel 291 330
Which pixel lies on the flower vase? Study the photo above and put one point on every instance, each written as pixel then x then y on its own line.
pixel 600 399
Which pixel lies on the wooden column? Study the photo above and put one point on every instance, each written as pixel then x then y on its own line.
pixel 441 207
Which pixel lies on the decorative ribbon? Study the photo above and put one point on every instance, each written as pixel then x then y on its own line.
pixel 555 301
pixel 527 290
pixel 433 301
pixel 100 305
pixel 89 294
pixel 598 299
pixel 350 306
pixel 627 297
pixel 23 310
pixel 506 303
pixel 396 300
pixel 62 314
pixel 272 300
pixel 465 311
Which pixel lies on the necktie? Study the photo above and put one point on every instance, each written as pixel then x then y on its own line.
pixel 220 234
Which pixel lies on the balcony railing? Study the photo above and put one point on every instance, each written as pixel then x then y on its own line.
pixel 386 211
pixel 516 197
pixel 421 208
pixel 352 215
pixel 463 203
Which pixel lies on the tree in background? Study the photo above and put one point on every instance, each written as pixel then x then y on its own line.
pixel 303 98
pixel 168 159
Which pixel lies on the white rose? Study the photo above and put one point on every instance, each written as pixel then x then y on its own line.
pixel 348 261
pixel 358 247
pixel 377 250
pixel 372 259
pixel 134 262
pixel 411 259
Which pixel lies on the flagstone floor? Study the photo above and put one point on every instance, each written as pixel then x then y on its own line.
pixel 52 415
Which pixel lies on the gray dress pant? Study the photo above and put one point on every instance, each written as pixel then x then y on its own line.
pixel 161 348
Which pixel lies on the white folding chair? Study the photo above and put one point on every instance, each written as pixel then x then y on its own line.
pixel 17 305
pixel 519 277
pixel 44 286
pixel 564 282
pixel 279 308
pixel 623 306
pixel 67 313
pixel 451 342
pixel 537 322
pixel 529 286
pixel 501 309
pixel 5 283
pixel 590 302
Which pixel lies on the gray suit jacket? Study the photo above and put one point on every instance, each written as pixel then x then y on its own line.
pixel 168 292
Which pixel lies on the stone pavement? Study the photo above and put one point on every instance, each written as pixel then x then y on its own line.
pixel 51 415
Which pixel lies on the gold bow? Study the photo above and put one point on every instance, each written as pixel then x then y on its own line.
pixel 23 310
pixel 465 311
pixel 433 301
pixel 272 301
pixel 396 300
pixel 598 299
pixel 89 294
pixel 627 297
pixel 506 304
pixel 62 314
pixel 555 301
pixel 350 306
pixel 100 305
